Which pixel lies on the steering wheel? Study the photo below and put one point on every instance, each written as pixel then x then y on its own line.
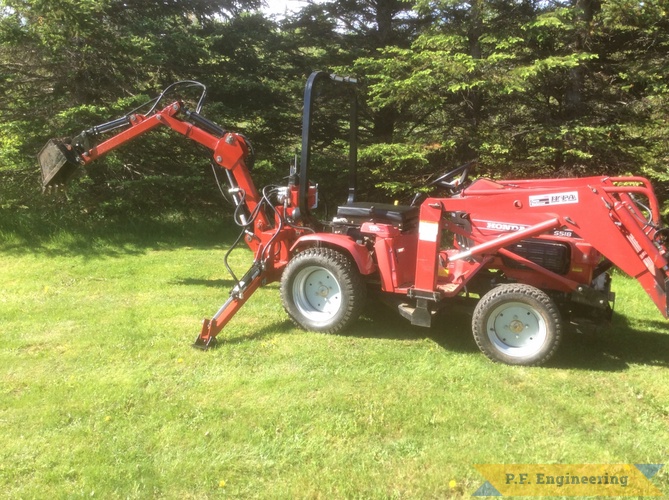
pixel 455 180
pixel 661 236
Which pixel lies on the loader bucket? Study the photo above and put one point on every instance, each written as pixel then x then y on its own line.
pixel 58 162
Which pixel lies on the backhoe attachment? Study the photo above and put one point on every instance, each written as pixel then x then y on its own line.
pixel 271 220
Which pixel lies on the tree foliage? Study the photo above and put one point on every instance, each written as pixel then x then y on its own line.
pixel 568 88
pixel 561 88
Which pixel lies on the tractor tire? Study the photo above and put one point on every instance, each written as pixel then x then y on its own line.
pixel 322 290
pixel 517 324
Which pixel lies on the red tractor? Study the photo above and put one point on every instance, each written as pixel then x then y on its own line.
pixel 534 254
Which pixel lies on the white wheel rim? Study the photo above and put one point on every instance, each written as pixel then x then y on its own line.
pixel 317 294
pixel 516 329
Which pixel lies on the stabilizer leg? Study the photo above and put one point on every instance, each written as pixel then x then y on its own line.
pixel 251 281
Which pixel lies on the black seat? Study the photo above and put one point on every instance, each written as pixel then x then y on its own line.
pixel 404 216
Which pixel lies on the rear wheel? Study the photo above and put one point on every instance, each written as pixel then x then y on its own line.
pixel 322 290
pixel 517 325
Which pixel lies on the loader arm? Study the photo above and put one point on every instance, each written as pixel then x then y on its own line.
pixel 603 211
pixel 270 240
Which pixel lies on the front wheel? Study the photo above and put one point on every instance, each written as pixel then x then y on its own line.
pixel 517 325
pixel 322 290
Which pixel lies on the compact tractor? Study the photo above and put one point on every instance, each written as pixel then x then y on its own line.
pixel 535 255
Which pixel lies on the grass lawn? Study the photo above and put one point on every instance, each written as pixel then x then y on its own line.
pixel 101 394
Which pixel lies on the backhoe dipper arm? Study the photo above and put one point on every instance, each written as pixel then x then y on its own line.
pixel 229 149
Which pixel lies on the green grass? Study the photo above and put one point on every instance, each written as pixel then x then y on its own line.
pixel 101 394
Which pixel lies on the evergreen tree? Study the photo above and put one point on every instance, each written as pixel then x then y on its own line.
pixel 570 87
pixel 70 64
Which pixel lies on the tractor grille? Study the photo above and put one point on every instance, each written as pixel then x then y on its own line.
pixel 554 256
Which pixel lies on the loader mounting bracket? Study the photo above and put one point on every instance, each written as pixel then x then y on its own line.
pixel 593 298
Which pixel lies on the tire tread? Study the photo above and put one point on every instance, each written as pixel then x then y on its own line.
pixel 517 290
pixel 352 282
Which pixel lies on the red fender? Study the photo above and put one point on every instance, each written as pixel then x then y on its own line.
pixel 358 252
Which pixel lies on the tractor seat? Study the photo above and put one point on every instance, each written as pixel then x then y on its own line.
pixel 403 216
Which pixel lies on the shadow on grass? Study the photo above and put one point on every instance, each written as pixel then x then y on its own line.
pixel 30 232
pixel 283 327
pixel 610 349
pixel 220 283
pixel 378 321
pixel 616 347
pixel 451 327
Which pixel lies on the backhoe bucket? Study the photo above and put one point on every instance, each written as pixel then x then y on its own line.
pixel 58 162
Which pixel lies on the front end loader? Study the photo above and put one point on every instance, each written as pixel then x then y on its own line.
pixel 534 255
